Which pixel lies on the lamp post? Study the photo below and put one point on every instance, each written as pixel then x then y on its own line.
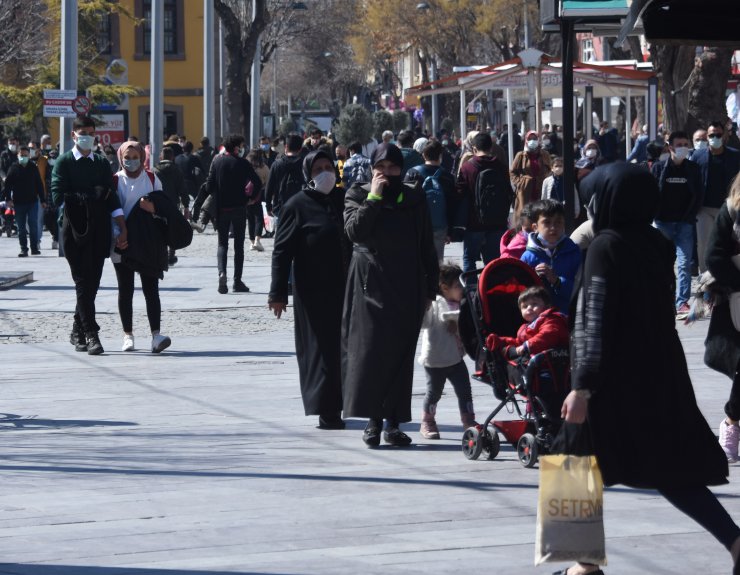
pixel 156 98
pixel 209 99
pixel 68 68
pixel 432 75
pixel 254 126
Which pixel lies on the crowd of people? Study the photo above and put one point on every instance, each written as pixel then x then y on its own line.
pixel 360 234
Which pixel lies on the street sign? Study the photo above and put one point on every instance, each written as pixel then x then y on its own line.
pixel 112 128
pixel 58 103
pixel 81 105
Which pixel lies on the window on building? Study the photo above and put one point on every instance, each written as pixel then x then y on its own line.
pixel 588 52
pixel 170 26
pixel 105 34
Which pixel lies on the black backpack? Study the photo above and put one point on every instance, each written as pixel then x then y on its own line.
pixel 292 182
pixel 493 197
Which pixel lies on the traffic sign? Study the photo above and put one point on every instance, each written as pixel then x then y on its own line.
pixel 58 103
pixel 81 105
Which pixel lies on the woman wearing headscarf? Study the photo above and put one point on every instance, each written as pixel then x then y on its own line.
pixel 589 160
pixel 629 266
pixel 310 238
pixel 135 187
pixel 528 170
pixel 393 278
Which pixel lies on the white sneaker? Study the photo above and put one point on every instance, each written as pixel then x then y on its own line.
pixel 160 343
pixel 128 342
pixel 253 248
pixel 258 246
pixel 729 437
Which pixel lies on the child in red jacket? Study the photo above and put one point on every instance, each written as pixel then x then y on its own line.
pixel 544 328
pixel 514 241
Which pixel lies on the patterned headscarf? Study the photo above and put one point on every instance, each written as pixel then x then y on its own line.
pixel 142 156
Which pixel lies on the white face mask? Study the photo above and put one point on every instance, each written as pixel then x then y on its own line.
pixel 681 153
pixel 323 182
pixel 715 142
pixel 85 142
pixel 700 144
pixel 545 142
pixel 591 153
pixel 664 156
pixel 533 145
pixel 13 148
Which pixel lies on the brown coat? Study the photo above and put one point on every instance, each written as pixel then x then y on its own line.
pixel 527 184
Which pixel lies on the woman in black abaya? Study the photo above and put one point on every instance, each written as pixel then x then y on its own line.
pixel 627 359
pixel 311 239
pixel 393 277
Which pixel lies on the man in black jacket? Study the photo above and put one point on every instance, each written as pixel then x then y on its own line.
pixel 286 176
pixel 681 197
pixel 227 180
pixel 23 191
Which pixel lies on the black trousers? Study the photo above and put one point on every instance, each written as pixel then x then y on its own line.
pixel 150 287
pixel 87 269
pixel 236 219
pixel 255 220
pixel 732 407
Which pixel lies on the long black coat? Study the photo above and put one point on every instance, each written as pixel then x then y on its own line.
pixel 392 274
pixel 310 236
pixel 723 340
pixel 627 351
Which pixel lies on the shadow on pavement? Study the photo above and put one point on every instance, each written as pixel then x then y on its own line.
pixel 13 421
pixel 227 353
pixel 71 286
pixel 20 569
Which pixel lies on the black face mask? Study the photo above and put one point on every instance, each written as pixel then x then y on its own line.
pixel 394 188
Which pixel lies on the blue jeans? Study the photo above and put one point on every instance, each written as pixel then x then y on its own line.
pixel 682 234
pixel 27 215
pixel 477 244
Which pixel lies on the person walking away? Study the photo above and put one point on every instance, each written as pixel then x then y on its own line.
pixel 393 278
pixel 439 187
pixel 255 215
pixel 357 168
pixel 205 154
pixel 311 240
pixel 629 265
pixel 174 187
pixel 483 185
pixel 679 183
pixel 286 177
pixel 82 182
pixel 442 353
pixel 411 158
pixel 24 192
pixel 528 170
pixel 723 339
pixel 227 180
pixel 191 168
pixel 718 165
pixel 136 188
pixel 552 254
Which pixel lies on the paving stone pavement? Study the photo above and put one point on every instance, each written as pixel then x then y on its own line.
pixel 200 460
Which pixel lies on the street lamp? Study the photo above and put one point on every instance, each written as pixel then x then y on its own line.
pixel 432 75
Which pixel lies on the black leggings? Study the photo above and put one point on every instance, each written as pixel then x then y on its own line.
pixel 703 507
pixel 150 287
pixel 732 407
pixel 236 219
pixel 255 220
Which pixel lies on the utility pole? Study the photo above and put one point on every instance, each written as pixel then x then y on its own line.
pixel 255 127
pixel 69 68
pixel 156 97
pixel 209 98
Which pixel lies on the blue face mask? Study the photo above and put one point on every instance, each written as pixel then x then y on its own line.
pixel 544 242
pixel 131 165
pixel 265 147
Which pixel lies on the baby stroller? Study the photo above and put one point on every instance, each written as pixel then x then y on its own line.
pixel 537 392
pixel 7 219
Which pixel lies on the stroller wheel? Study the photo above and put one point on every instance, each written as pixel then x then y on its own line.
pixel 492 443
pixel 527 450
pixel 472 443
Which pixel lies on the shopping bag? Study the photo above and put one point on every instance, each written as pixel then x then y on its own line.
pixel 570 524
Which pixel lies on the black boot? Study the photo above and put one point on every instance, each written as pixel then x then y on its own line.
pixel 239 287
pixel 94 347
pixel 222 287
pixel 77 337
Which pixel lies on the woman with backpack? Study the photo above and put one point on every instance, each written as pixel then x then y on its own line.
pixel 136 188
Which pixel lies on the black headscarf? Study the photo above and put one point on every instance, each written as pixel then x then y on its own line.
pixel 386 151
pixel 309 160
pixel 624 196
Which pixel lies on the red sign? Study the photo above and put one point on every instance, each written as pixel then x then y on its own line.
pixel 81 105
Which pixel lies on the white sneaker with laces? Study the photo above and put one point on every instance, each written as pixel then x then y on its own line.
pixel 729 437
pixel 160 343
pixel 128 342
